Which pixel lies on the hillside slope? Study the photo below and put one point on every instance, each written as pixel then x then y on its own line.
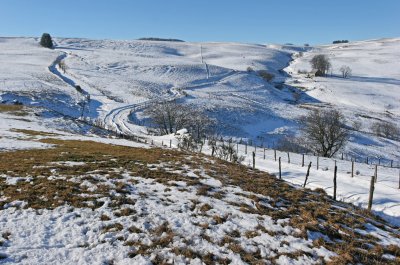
pixel 369 95
pixel 88 202
pixel 121 77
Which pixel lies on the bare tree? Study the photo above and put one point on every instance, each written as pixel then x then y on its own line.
pixel 320 63
pixel 386 129
pixel 169 117
pixel 346 71
pixel 324 132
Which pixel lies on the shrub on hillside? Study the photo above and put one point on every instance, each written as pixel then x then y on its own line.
pixel 46 41
pixel 266 75
pixel 386 129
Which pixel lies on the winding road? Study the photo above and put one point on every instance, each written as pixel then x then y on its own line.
pixel 117 119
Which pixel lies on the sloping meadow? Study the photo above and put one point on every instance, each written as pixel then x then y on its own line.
pixel 94 203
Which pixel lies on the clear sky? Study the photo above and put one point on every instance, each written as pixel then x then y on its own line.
pixel 257 21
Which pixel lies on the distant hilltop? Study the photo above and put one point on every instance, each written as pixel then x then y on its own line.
pixel 161 39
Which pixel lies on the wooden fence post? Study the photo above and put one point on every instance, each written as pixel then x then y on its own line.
pixel 376 173
pixel 334 183
pixel 288 158
pixel 342 156
pixel 317 162
pixel 308 174
pixel 302 161
pixel 352 169
pixel 254 160
pixel 255 148
pixel 245 150
pixel 371 193
pixel 264 153
pixel 275 154
pixel 170 143
pixel 280 169
pixel 162 143
pixel 367 160
pixel 237 149
pixel 391 163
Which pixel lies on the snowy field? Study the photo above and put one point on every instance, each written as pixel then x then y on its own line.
pixel 72 193
pixel 371 94
pixel 121 78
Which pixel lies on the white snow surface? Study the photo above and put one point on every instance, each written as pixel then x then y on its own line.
pixel 121 77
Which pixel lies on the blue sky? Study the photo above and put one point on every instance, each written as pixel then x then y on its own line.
pixel 258 21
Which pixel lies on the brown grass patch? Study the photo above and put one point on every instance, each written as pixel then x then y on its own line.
pixel 17 110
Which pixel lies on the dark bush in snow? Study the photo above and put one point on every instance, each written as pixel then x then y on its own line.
pixel 46 41
pixel 265 75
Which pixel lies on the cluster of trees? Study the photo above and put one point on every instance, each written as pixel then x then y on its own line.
pixel 161 39
pixel 322 65
pixel 340 41
pixel 169 117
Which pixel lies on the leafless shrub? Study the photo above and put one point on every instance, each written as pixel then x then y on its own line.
pixel 169 117
pixel 386 129
pixel 189 143
pixel 266 75
pixel 324 132
pixel 346 71
pixel 250 69
pixel 224 150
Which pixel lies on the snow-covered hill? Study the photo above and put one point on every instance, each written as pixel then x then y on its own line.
pixel 120 76
pixel 74 193
pixel 370 94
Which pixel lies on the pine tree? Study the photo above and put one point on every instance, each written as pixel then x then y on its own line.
pixel 46 41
